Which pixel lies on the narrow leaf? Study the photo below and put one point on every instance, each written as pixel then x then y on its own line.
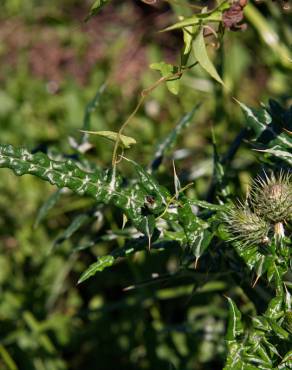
pixel 282 154
pixel 49 203
pixel 171 138
pixel 72 228
pixel 200 53
pixel 234 322
pixel 214 15
pixel 124 141
pixel 102 263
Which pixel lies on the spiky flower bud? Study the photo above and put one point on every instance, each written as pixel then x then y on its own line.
pixel 271 197
pixel 245 226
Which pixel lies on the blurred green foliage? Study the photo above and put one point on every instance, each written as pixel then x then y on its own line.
pixel 52 65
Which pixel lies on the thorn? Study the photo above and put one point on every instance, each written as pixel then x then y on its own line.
pixel 130 287
pixel 256 280
pixel 149 242
pixel 125 220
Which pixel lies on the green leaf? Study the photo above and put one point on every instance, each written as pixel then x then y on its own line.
pixel 125 142
pixel 214 15
pixel 287 359
pixel 75 225
pixel 268 130
pixel 168 70
pixel 95 8
pixel 102 263
pixel 130 248
pixel 197 235
pixel 188 34
pixel 275 308
pixel 207 205
pixel 151 186
pixel 7 359
pixel 234 328
pixel 104 187
pixel 165 146
pixel 200 53
pixel 91 106
pixel 234 359
pixel 49 203
pixel 219 182
pixel 278 330
pixel 282 154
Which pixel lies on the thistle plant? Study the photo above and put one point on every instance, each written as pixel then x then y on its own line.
pixel 271 199
pixel 265 213
pixel 246 227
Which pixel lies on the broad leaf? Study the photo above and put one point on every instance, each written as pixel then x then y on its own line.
pixel 201 55
pixel 168 70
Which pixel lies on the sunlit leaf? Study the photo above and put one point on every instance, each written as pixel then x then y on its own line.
pixel 102 263
pixel 282 154
pixel 168 70
pixel 95 8
pixel 201 55
pixel 214 15
pixel 124 141
pixel 235 327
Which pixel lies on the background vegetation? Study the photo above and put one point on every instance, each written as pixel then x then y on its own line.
pixel 53 64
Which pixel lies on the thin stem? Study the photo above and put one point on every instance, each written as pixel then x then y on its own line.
pixel 143 95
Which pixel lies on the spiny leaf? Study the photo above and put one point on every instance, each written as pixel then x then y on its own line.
pixel 103 187
pixel 268 131
pixel 234 321
pixel 234 360
pixel 124 141
pixel 207 205
pixel 278 330
pixel 201 55
pixel 197 235
pixel 282 154
pixel 287 359
pixel 130 248
pixel 151 186
pixel 100 265
pixel 275 308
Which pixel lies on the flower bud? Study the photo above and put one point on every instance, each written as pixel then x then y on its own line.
pixel 246 227
pixel 271 197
